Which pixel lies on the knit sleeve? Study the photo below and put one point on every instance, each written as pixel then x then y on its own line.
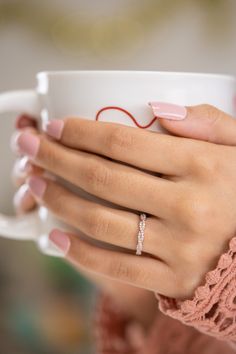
pixel 110 328
pixel 212 309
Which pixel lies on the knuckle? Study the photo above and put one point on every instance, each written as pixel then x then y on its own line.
pixel 207 110
pixel 205 162
pixel 193 149
pixel 185 279
pixel 211 116
pixel 119 139
pixel 187 282
pixel 97 176
pixel 210 113
pixel 181 286
pixel 99 224
pixel 196 212
pixel 74 128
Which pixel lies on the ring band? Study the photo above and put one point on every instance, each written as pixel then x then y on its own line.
pixel 142 224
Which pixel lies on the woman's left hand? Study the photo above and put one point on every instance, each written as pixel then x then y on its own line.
pixel 191 206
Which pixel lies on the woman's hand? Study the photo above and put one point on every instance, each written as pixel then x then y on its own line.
pixel 191 208
pixel 126 296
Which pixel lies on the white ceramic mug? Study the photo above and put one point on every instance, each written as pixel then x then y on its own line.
pixel 116 96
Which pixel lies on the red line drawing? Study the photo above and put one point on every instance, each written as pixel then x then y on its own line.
pixel 127 113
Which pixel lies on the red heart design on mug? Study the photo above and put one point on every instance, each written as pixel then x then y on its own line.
pixel 98 116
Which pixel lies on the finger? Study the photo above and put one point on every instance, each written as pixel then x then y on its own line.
pixel 113 226
pixel 144 149
pixel 23 168
pixel 24 121
pixel 23 200
pixel 144 272
pixel 114 182
pixel 15 136
pixel 203 122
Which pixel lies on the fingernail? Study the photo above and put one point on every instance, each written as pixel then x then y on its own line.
pixel 168 110
pixel 24 166
pixel 14 142
pixel 21 169
pixel 21 197
pixel 60 240
pixel 28 144
pixel 54 128
pixel 37 186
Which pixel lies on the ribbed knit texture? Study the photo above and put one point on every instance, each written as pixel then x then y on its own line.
pixel 204 324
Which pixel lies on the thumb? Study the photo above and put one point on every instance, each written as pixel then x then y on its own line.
pixel 203 122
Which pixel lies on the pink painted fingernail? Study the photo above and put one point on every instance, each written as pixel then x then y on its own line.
pixel 168 110
pixel 22 168
pixel 14 142
pixel 24 165
pixel 21 197
pixel 54 128
pixel 60 240
pixel 37 186
pixel 28 144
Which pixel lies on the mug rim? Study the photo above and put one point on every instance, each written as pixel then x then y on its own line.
pixel 135 72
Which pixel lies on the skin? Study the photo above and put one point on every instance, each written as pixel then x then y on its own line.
pixel 192 215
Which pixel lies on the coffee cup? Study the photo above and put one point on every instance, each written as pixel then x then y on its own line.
pixel 116 96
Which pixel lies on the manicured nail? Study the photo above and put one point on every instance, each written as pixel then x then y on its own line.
pixel 21 169
pixel 60 240
pixel 37 186
pixel 24 166
pixel 22 198
pixel 168 110
pixel 28 144
pixel 54 128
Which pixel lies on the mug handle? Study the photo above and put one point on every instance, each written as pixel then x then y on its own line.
pixel 24 227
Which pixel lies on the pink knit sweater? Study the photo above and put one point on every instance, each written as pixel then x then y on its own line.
pixel 204 324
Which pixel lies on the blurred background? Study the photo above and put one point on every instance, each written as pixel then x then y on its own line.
pixel 45 305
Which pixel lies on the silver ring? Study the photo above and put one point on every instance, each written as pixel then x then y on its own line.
pixel 142 224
